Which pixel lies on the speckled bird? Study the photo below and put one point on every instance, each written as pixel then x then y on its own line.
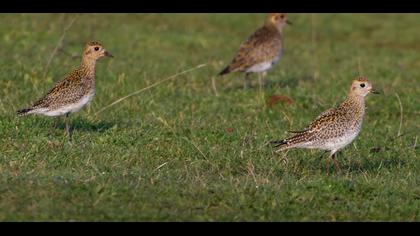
pixel 75 91
pixel 335 128
pixel 262 50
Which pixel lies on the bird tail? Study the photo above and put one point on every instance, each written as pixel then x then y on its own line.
pixel 225 71
pixel 290 142
pixel 279 144
pixel 24 112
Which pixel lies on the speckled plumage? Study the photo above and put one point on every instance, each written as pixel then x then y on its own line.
pixel 262 50
pixel 335 128
pixel 78 84
pixel 73 92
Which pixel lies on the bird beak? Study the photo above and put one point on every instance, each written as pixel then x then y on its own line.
pixel 108 54
pixel 374 91
pixel 289 22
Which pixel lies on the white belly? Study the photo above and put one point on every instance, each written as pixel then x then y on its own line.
pixel 331 144
pixel 264 66
pixel 261 67
pixel 71 108
pixel 339 143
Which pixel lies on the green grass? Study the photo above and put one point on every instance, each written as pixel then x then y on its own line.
pixel 177 152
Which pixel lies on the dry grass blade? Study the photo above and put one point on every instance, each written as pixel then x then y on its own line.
pixel 196 147
pixel 160 166
pixel 149 87
pixel 401 117
pixel 59 45
pixel 213 84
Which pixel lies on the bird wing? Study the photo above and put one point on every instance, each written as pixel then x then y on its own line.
pixel 322 119
pixel 326 125
pixel 65 91
pixel 256 49
pixel 317 123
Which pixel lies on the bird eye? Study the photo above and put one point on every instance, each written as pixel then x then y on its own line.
pixel 362 85
pixel 96 48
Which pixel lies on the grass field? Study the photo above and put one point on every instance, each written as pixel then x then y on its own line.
pixel 178 152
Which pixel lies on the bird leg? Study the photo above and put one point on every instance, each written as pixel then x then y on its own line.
pixel 261 84
pixel 328 166
pixel 337 166
pixel 260 81
pixel 247 80
pixel 263 77
pixel 68 131
pixel 322 155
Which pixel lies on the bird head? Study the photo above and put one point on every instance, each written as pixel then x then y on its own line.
pixel 278 20
pixel 362 87
pixel 94 51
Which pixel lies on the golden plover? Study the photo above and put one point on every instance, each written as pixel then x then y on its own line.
pixel 335 128
pixel 262 50
pixel 72 93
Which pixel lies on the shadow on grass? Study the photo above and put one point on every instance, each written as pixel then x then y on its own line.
pixel 270 82
pixel 358 165
pixel 371 164
pixel 82 125
pixel 376 164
